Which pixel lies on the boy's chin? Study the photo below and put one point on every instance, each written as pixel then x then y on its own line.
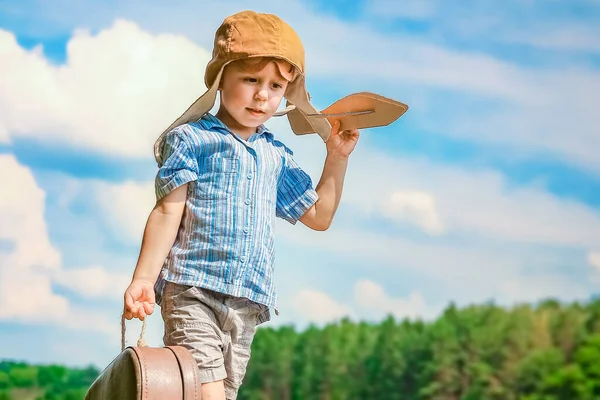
pixel 249 125
pixel 253 122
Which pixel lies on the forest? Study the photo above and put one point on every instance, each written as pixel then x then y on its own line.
pixel 547 351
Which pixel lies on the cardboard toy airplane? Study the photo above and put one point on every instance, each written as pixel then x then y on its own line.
pixel 356 111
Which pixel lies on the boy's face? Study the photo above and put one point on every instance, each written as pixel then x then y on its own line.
pixel 250 93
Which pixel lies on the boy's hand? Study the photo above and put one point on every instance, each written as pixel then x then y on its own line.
pixel 139 299
pixel 341 143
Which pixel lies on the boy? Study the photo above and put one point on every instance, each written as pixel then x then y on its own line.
pixel 221 182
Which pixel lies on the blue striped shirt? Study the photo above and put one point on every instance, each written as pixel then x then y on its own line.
pixel 225 241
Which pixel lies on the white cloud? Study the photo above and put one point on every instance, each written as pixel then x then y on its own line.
pixel 530 108
pixel 563 26
pixel 535 288
pixel 453 264
pixel 465 272
pixel 567 38
pixel 31 265
pixel 480 202
pixel 410 9
pixel 25 288
pixel 127 82
pixel 94 282
pixel 594 260
pixel 377 303
pixel 537 131
pixel 415 207
pixel 494 232
pixel 118 90
pixel 486 204
pixel 125 206
pixel 371 303
pixel 120 78
pixel 318 307
pixel 22 208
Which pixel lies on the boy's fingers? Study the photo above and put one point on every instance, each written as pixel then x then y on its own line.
pixel 133 311
pixel 149 293
pixel 335 128
pixel 353 134
pixel 128 300
pixel 141 313
pixel 148 308
pixel 139 302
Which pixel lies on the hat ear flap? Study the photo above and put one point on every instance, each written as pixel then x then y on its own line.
pixel 299 123
pixel 196 111
pixel 297 95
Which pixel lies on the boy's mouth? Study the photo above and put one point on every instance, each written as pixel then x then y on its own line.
pixel 255 110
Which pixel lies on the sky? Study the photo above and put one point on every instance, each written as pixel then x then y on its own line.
pixel 486 190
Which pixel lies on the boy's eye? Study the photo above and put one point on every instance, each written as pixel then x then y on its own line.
pixel 277 85
pixel 250 79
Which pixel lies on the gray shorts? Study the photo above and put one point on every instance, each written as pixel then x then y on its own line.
pixel 217 329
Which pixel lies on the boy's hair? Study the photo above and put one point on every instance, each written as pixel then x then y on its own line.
pixel 254 64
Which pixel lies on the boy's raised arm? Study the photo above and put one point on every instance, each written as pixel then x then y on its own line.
pixel 159 236
pixel 339 146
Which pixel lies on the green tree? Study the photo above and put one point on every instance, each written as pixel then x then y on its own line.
pixel 568 329
pixel 269 372
pixel 308 366
pixel 546 352
pixel 567 384
pixel 5 395
pixel 536 368
pixel 23 376
pixel 4 380
pixel 587 357
pixel 358 344
pixel 386 365
pixel 81 377
pixel 52 375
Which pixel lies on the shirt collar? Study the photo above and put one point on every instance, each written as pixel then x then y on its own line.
pixel 211 122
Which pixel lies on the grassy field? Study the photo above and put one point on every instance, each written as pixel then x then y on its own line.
pixel 26 394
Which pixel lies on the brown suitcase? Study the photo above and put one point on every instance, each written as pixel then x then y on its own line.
pixel 146 373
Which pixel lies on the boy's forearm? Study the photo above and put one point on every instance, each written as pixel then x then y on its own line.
pixel 329 189
pixel 159 236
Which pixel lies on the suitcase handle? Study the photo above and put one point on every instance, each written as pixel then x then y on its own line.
pixel 141 341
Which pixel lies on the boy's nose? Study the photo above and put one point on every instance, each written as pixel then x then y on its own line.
pixel 262 94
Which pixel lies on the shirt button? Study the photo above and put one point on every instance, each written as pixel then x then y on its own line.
pixel 243 259
pixel 246 230
pixel 247 201
pixel 249 176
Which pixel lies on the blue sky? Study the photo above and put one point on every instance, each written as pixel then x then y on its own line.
pixel 486 189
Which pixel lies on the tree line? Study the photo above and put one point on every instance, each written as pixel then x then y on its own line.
pixel 22 381
pixel 550 351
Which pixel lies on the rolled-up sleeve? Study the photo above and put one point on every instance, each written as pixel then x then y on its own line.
pixel 295 192
pixel 179 166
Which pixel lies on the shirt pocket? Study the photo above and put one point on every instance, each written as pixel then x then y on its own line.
pixel 218 177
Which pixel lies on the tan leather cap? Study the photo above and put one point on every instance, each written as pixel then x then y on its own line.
pixel 251 34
